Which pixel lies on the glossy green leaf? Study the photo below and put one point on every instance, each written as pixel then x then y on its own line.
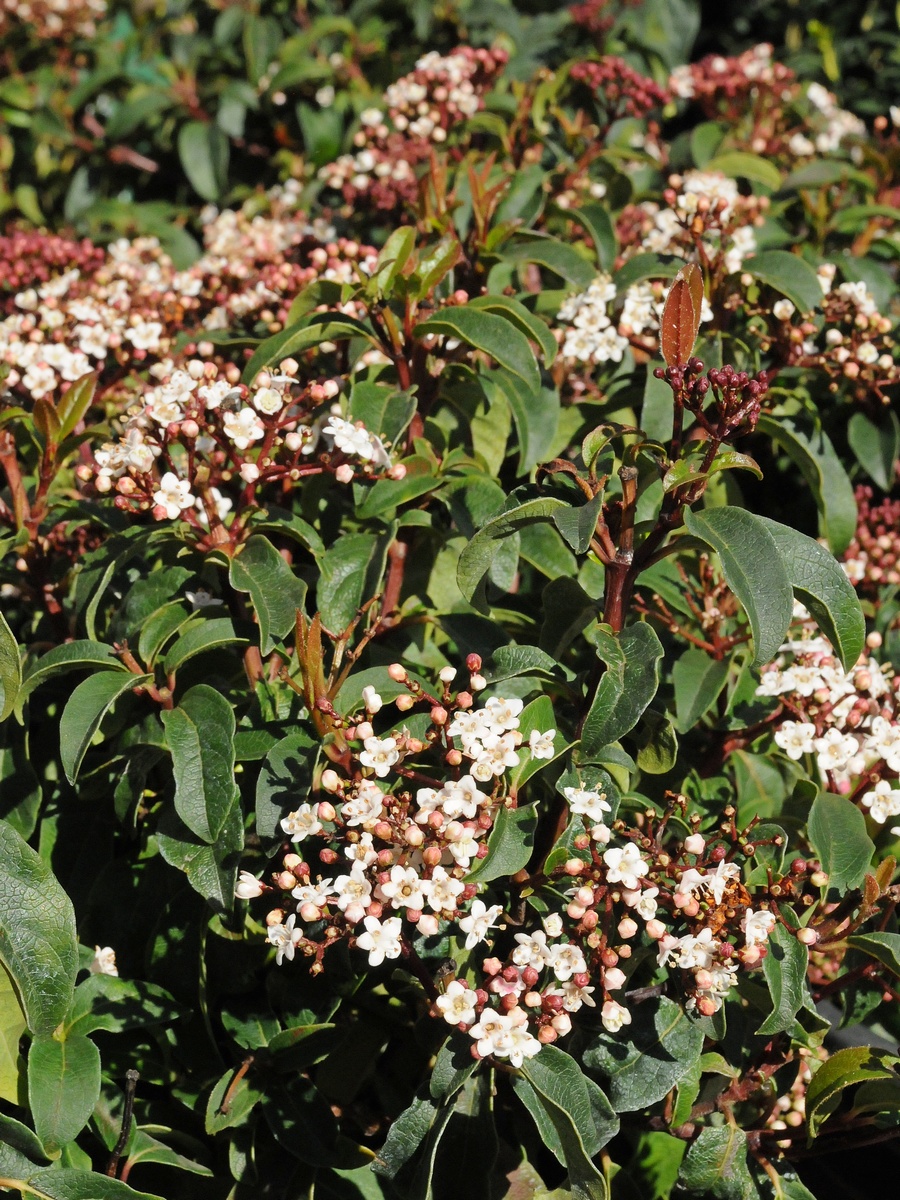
pixel 393 257
pixel 559 1078
pixel 821 584
pixel 599 224
pixel 885 947
pixel 558 257
pixel 350 574
pixel 811 450
pixel 687 470
pixel 739 164
pixel 38 945
pixel 626 688
pixel 578 523
pixel 525 321
pixel 10 669
pixel 12 1026
pixel 716 1165
pixel 86 708
pixel 71 1184
pixel 478 555
pixel 75 402
pixel 784 968
pixel 753 570
pixel 452 1067
pixel 788 274
pixel 200 734
pixel 837 833
pixel 211 634
pixel 490 333
pixel 383 409
pixel 306 333
pixel 509 846
pixel 646 266
pixel 70 656
pixel 112 1004
pixel 274 589
pixel 643 1063
pixel 657 743
pixel 231 1101
pixel 286 774
pixel 845 1068
pixel 63 1087
pixel 876 446
pixel 211 870
pixel 698 679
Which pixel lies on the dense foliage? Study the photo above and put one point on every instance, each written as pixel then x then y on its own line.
pixel 450 579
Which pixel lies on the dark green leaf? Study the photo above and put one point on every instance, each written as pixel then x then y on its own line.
pixel 274 589
pixel 200 734
pixel 753 570
pixel 452 1067
pixel 210 634
pixel 231 1101
pixel 350 575
pixel 10 669
pixel 698 679
pixel 37 933
pixel 789 274
pixel 558 257
pixel 626 688
pixel 785 970
pixel 716 1165
pixel 204 151
pixel 518 315
pixel 509 846
pixel 86 708
pixel 70 656
pixel 885 947
pixel 558 1078
pixel 642 1064
pixel 309 331
pixel 597 221
pixel 383 409
pixel 739 164
pixel 822 585
pixel 285 776
pixel 837 833
pixel 855 1064
pixel 492 334
pixel 876 446
pixel 112 1004
pixel 393 257
pixel 211 870
pixel 63 1087
pixel 75 403
pixel 578 524
pixel 477 557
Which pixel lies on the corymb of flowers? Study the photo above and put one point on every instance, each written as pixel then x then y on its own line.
pixel 396 862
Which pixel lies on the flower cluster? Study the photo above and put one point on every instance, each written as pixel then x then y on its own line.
pixel 873 557
pixel 703 210
pixel 733 86
pixel 846 720
pixel 421 110
pixel 53 18
pixel 619 90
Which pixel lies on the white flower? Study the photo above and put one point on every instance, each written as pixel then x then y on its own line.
pixel 380 754
pixel 405 888
pixel 587 804
pixel 372 700
pixel 519 1046
pixel 285 937
pixel 366 807
pixel 885 740
pixel 457 1005
pixel 354 888
pixel 553 925
pixel 757 926
pixel 301 824
pixel 532 950
pixel 882 802
pixel 352 439
pixel 566 960
pixel 834 750
pixel 444 891
pixel 614 1016
pixel 783 310
pixel 104 961
pixel 247 886
pixel 381 940
pixel 574 996
pixel 243 428
pixel 461 843
pixel 492 1032
pixel 625 866
pixel 268 400
pixel 478 921
pixel 173 495
pixel 796 738
pixel 715 882
pixel 541 744
pixel 201 599
pixel 318 893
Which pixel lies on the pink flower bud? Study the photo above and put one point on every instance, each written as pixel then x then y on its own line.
pixel 427 925
pixel 656 929
pixel 613 979
pixel 354 913
pixel 397 471
pixel 575 911
pixel 695 844
pixel 584 896
pixel 532 1000
pixel 453 758
pixel 249 472
pixel 575 866
pixel 285 880
pixel 439 715
pixel 325 811
pixel 292 861
pixel 344 473
pixel 405 702
pixel 414 836
pixel 310 911
pixel 627 928
pixel 275 917
pixel 397 672
pixel 331 782
pixel 807 936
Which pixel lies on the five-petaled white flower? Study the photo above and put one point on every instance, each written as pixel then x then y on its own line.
pixel 478 922
pixel 381 939
pixel 174 495
pixel 457 1005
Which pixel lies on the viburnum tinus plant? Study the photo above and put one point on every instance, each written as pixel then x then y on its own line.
pixel 450 734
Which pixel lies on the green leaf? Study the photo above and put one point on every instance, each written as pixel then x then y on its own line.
pixel 837 833
pixel 578 523
pixel 115 1005
pixel 687 469
pixel 646 266
pixel 12 1026
pixel 642 1064
pixel 845 1068
pixel 536 415
pixel 548 1082
pixel 452 1067
pixel 38 945
pixel 492 334
pixel 10 669
pixel 405 1134
pixel 71 1184
pixel 822 585
pixel 63 1087
pixel 740 164
pixel 626 688
pixel 507 662
pixel 509 846
pixel 789 274
pixel 698 680
pixel 383 409
pixel 203 150
pixel 478 556
pixel 876 446
pixel 753 570
pixel 286 773
pixel 539 716
pixel 304 334
pixel 393 257
pixel 812 452
pixel 210 870
pixel 210 634
pixel 885 947
pixel 525 321
pixel 350 573
pixel 716 1165
pixel 70 656
pixel 147 1149
pixel 558 1078
pixel 657 744
pixel 558 257
pixel 86 708
pixel 200 734
pixel 598 222
pixel 75 403
pixel 230 1102
pixel 785 970
pixel 275 591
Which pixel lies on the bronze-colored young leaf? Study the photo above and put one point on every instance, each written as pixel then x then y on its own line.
pixel 681 316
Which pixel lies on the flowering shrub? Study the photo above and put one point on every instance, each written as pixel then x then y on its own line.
pixel 450 738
